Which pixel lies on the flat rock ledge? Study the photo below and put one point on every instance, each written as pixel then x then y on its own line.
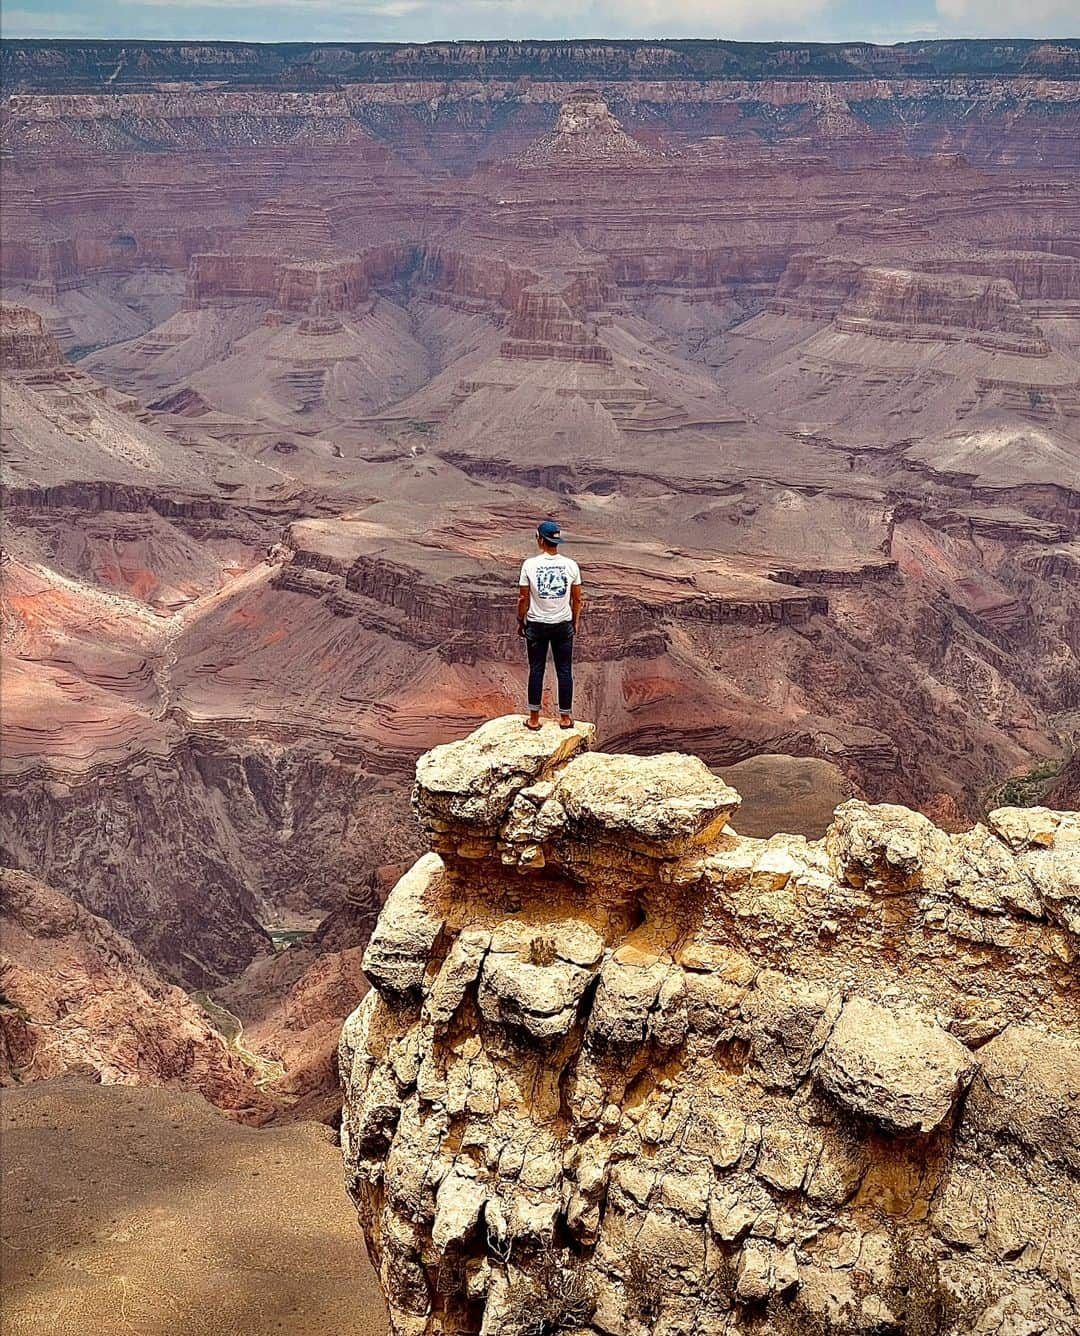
pixel 624 1072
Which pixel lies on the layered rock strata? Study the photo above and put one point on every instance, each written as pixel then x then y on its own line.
pixel 25 343
pixel 586 134
pixel 76 995
pixel 623 1070
pixel 143 64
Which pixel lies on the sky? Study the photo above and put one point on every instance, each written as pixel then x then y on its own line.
pixel 434 20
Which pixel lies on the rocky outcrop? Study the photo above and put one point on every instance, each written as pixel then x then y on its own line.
pixel 260 273
pixel 624 1071
pixel 25 343
pixel 586 135
pixel 948 303
pixel 900 304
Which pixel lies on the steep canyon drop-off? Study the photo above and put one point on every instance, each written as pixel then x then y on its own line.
pixel 299 342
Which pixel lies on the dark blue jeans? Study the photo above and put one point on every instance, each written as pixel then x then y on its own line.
pixel 560 636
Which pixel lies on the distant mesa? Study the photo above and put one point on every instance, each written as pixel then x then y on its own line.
pixel 586 134
pixel 932 305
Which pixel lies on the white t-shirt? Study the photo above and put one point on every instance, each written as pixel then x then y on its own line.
pixel 549 578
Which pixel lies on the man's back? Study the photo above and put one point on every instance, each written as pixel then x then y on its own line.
pixel 550 577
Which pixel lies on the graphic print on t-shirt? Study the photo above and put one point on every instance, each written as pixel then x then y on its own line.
pixel 552 581
pixel 549 579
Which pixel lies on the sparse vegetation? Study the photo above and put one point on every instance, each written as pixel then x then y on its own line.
pixel 450 1278
pixel 1024 790
pixel 286 937
pixel 555 1298
pixel 918 1300
pixel 924 1305
pixel 641 1286
pixel 267 1070
pixel 723 1278
pixel 782 1318
pixel 542 951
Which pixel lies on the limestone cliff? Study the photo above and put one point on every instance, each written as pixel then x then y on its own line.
pixel 625 1071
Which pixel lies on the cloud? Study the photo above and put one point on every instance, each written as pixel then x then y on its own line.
pixel 448 20
pixel 1009 18
pixel 30 23
pixel 423 20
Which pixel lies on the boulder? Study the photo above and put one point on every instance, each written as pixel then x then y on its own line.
pixel 886 849
pixel 656 805
pixel 1027 1092
pixel 397 955
pixel 473 782
pixel 896 1067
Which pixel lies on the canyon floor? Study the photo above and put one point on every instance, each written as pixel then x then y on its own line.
pixel 296 353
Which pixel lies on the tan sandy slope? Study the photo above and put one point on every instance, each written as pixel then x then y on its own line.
pixel 145 1211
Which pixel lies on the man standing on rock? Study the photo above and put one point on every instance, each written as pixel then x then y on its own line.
pixel 548 611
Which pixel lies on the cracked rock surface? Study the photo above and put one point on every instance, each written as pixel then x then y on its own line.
pixel 623 1071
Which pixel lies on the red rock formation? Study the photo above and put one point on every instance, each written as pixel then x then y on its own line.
pixel 293 285
pixel 544 326
pixel 899 303
pixel 586 135
pixel 76 995
pixel 931 300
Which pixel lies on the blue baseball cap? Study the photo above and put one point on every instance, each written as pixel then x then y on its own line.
pixel 549 531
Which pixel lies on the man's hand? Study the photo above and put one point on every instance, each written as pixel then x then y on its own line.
pixel 521 628
pixel 577 601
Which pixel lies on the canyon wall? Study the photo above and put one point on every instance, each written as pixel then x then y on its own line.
pixel 624 1071
pixel 304 340
pixel 940 98
pixel 133 64
pixel 76 995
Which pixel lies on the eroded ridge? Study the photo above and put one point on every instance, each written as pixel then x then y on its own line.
pixel 624 1071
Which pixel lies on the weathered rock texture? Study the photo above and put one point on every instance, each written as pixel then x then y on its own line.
pixel 626 1071
pixel 25 343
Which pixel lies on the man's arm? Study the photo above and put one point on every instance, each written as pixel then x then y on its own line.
pixel 522 608
pixel 576 602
